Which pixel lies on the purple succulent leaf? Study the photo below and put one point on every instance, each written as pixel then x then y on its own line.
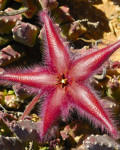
pixel 9 54
pixel 25 33
pixel 7 118
pixel 8 22
pixel 11 143
pixel 26 130
pixel 20 91
pixel 98 142
pixel 32 8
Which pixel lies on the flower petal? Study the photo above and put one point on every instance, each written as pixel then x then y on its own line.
pixel 52 110
pixel 85 66
pixel 31 105
pixel 41 79
pixel 56 50
pixel 88 105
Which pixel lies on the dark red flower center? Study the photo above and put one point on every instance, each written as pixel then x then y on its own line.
pixel 63 81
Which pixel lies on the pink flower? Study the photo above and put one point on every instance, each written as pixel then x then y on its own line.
pixel 65 81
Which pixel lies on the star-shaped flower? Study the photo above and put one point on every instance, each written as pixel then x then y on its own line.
pixel 65 82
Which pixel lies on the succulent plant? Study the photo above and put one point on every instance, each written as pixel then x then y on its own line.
pixel 8 143
pixel 82 22
pixel 9 54
pixel 63 66
pixel 99 142
pixel 8 22
pixel 32 8
pixel 25 130
pixel 25 33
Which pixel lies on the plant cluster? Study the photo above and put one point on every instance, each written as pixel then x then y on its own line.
pixel 63 85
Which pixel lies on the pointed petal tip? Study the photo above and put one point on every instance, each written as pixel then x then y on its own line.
pixel 115 134
pixel 57 53
pixel 85 66
pixel 43 13
pixel 46 136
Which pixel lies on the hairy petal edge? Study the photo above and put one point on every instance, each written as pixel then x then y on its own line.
pixel 90 106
